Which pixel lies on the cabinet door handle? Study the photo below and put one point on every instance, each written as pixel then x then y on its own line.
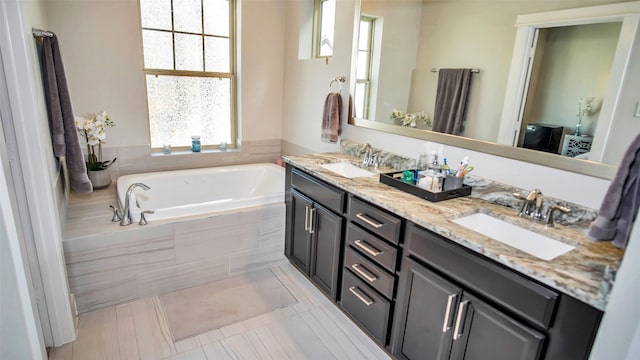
pixel 306 218
pixel 364 273
pixel 367 248
pixel 312 216
pixel 363 217
pixel 457 332
pixel 447 313
pixel 355 291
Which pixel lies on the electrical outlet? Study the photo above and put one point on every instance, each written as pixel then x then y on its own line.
pixel 637 114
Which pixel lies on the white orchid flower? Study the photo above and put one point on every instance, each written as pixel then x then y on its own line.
pixel 93 141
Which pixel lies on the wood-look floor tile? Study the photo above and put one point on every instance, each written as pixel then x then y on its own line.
pixel 298 339
pixel 153 334
pixel 240 347
pixel 210 337
pixel 64 352
pixel 217 351
pixel 195 354
pixel 127 340
pixel 97 335
pixel 273 346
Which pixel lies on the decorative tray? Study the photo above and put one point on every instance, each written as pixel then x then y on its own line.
pixel 394 179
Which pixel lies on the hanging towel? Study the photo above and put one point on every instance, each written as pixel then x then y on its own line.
pixel 620 205
pixel 451 100
pixel 331 118
pixel 64 135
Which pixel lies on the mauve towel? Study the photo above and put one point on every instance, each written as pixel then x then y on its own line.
pixel 451 100
pixel 64 135
pixel 331 118
pixel 620 205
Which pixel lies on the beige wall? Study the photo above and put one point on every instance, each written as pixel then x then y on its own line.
pixel 102 50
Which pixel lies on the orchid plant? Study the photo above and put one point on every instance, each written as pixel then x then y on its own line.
pixel 582 110
pixel 410 119
pixel 92 128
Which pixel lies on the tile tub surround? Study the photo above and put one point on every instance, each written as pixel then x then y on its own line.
pixel 109 264
pixel 578 273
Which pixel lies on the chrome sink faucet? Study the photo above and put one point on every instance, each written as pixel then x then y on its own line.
pixel 532 207
pixel 126 212
pixel 369 158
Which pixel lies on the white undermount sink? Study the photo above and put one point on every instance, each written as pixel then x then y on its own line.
pixel 347 170
pixel 528 241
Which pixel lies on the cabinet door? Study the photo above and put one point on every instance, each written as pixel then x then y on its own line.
pixel 427 314
pixel 300 247
pixel 482 332
pixel 326 229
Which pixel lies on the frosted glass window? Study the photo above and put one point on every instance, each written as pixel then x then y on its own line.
pixel 189 73
pixel 182 106
pixel 158 49
pixel 156 14
pixel 216 17
pixel 188 52
pixel 216 52
pixel 187 16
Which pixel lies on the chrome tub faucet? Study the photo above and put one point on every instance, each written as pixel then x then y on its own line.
pixel 126 212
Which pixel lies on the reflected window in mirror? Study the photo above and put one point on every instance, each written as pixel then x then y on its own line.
pixel 363 66
pixel 324 27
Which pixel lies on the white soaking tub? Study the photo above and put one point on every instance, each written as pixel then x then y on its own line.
pixel 180 193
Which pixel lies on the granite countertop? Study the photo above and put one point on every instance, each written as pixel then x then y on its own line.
pixel 579 273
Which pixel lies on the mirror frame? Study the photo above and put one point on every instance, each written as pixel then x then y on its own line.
pixel 580 166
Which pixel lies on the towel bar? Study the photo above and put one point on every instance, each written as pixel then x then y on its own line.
pixel 339 80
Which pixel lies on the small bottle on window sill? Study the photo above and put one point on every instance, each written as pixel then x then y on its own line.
pixel 195 143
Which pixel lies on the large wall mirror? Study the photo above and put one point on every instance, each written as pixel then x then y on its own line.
pixel 535 67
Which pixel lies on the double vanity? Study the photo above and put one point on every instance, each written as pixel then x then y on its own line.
pixel 425 282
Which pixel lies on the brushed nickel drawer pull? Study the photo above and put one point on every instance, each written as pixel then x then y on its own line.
pixel 367 248
pixel 447 313
pixel 362 298
pixel 312 216
pixel 364 273
pixel 457 333
pixel 363 217
pixel 306 218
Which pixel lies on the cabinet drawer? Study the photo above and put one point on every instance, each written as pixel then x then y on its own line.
pixel 372 247
pixel 375 220
pixel 369 272
pixel 507 288
pixel 325 194
pixel 366 307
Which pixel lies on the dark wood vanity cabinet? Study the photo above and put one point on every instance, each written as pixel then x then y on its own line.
pixel 420 295
pixel 314 229
pixel 371 258
pixel 440 321
pixel 454 304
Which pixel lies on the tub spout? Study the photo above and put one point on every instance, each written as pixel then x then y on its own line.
pixel 126 212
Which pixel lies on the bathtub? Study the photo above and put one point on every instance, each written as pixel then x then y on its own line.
pixel 180 193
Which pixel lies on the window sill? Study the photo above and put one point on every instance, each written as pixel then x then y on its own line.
pixel 189 152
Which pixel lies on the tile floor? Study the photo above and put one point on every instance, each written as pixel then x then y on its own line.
pixel 313 328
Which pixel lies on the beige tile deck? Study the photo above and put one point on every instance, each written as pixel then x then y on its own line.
pixel 312 329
